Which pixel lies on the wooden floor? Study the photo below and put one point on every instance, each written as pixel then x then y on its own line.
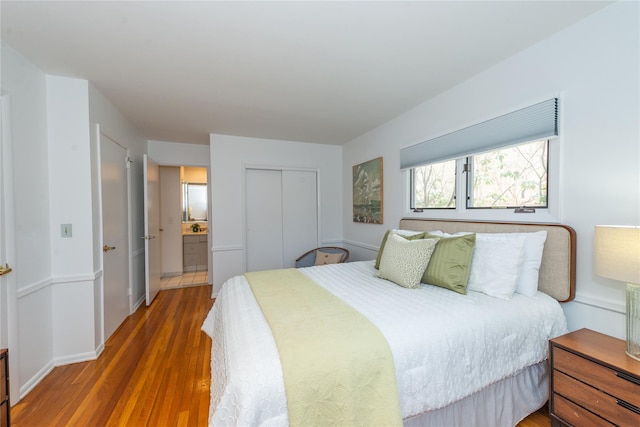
pixel 537 419
pixel 154 371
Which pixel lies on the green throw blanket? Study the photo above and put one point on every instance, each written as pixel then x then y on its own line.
pixel 337 366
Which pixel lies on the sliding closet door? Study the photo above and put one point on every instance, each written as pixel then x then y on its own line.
pixel 264 219
pixel 281 215
pixel 300 214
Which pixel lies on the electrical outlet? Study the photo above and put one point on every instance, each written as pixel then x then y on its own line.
pixel 65 230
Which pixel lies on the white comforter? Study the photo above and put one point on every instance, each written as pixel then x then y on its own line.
pixel 445 345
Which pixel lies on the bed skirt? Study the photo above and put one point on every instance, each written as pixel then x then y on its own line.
pixel 504 403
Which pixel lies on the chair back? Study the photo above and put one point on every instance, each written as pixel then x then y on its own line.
pixel 308 259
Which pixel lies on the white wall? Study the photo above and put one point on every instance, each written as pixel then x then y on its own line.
pixel 26 86
pixel 594 67
pixel 229 156
pixel 70 189
pixel 178 154
pixel 52 121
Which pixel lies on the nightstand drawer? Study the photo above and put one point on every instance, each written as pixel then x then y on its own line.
pixel 596 375
pixel 576 415
pixel 598 402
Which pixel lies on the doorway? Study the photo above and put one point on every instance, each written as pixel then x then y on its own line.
pixel 183 205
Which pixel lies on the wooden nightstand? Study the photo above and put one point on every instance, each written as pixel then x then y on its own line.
pixel 593 381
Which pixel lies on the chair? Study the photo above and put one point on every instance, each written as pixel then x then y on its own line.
pixel 328 255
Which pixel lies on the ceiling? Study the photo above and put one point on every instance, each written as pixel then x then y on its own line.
pixel 323 72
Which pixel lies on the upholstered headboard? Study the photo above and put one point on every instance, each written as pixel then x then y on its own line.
pixel 558 267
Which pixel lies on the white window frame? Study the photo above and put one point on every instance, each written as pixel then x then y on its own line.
pixel 550 214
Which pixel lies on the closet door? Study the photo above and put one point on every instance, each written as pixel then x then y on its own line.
pixel 300 214
pixel 281 215
pixel 264 219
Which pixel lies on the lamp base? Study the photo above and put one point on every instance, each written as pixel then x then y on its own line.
pixel 633 320
pixel 637 356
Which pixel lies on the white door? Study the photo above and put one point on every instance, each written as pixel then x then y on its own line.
pixel 152 265
pixel 264 219
pixel 299 214
pixel 8 292
pixel 115 234
pixel 281 217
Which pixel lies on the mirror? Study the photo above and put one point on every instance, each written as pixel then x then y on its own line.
pixel 194 202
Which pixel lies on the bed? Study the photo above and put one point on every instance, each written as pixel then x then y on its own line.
pixel 460 359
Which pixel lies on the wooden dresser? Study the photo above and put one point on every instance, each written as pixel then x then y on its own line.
pixel 593 381
pixel 4 387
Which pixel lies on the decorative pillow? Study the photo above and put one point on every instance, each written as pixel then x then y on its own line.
pixel 323 258
pixel 527 283
pixel 495 264
pixel 450 263
pixel 407 234
pixel 404 261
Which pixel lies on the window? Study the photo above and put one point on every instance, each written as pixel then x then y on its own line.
pixel 509 178
pixel 434 186
pixel 504 162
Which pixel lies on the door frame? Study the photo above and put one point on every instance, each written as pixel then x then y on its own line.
pixel 99 133
pixel 245 167
pixel 209 220
pixel 9 299
pixel 151 291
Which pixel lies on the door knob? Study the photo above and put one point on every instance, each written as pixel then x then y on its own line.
pixel 106 248
pixel 5 270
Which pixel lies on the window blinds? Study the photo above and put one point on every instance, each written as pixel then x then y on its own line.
pixel 528 124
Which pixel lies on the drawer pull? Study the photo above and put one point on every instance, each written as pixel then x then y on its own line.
pixel 628 406
pixel 628 377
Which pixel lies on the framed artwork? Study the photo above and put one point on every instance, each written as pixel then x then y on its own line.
pixel 368 205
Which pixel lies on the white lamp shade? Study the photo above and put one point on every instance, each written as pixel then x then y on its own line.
pixel 617 252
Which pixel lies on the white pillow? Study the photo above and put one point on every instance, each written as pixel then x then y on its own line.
pixel 527 283
pixel 528 276
pixel 404 261
pixel 495 264
pixel 412 232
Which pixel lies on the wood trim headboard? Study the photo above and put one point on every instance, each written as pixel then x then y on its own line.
pixel 558 267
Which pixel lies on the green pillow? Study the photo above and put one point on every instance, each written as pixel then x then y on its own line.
pixel 404 261
pixel 450 263
pixel 384 241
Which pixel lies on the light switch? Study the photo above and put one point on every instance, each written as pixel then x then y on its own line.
pixel 65 230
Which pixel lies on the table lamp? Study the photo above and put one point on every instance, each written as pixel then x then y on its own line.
pixel 617 256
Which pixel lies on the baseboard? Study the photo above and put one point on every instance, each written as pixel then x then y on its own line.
pixel 138 303
pixel 99 350
pixel 35 380
pixel 75 358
